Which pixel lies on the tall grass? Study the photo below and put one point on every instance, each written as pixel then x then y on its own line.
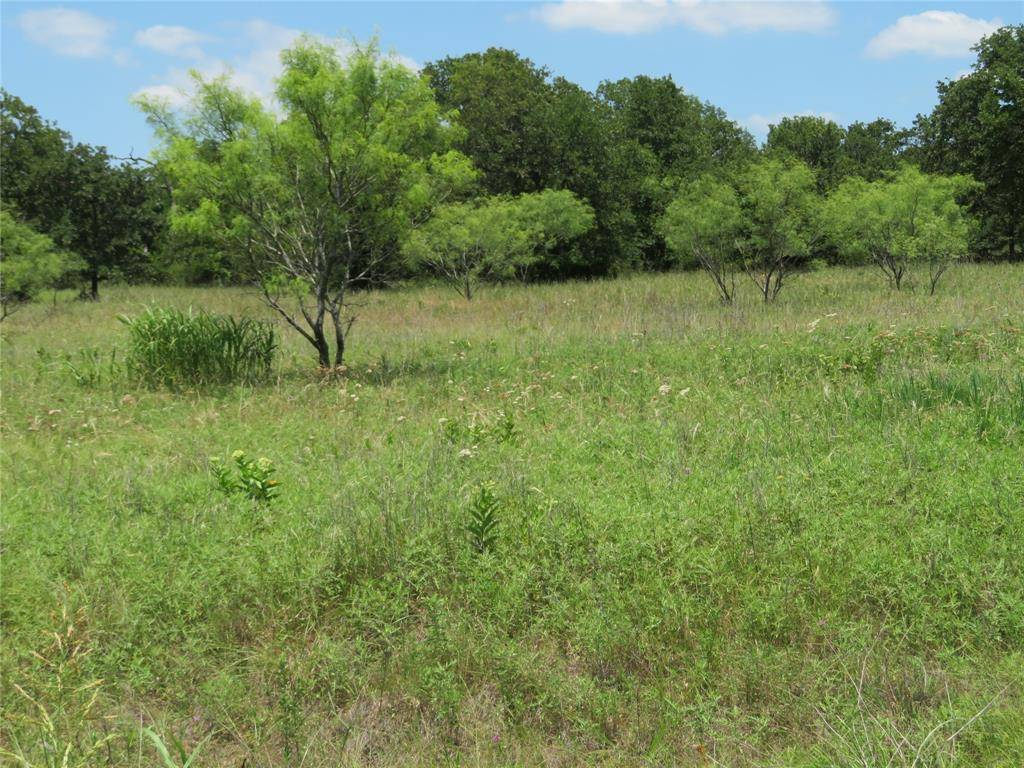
pixel 169 347
pixel 749 536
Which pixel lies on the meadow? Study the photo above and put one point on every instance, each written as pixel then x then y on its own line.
pixel 750 535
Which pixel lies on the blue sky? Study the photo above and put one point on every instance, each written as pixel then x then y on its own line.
pixel 80 63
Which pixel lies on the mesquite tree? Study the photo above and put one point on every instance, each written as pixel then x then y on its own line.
pixel 898 222
pixel 496 238
pixel 29 263
pixel 316 194
pixel 763 221
pixel 704 223
pixel 780 222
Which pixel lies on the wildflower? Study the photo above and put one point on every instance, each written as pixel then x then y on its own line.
pixel 263 463
pixel 238 455
pixel 664 389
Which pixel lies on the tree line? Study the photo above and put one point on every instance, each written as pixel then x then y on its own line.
pixel 486 167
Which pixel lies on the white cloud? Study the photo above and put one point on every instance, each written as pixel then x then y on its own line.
pixel 715 17
pixel 255 70
pixel 759 124
pixel 934 33
pixel 172 41
pixel 174 96
pixel 68 32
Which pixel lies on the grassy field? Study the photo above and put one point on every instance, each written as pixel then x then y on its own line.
pixel 753 536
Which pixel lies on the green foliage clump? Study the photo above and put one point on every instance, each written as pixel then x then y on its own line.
pixel 496 238
pixel 30 263
pixel 168 347
pixel 252 478
pixel 764 222
pixel 975 129
pixel 703 226
pixel 906 220
pixel 111 215
pixel 324 193
pixel 483 521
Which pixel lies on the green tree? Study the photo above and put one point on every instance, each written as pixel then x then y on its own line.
pixel 816 141
pixel 622 149
pixel 527 132
pixel 112 215
pixel 30 263
pixel 589 158
pixel 687 136
pixel 977 128
pixel 33 163
pixel 316 200
pixel 552 219
pixel 503 102
pixel 870 150
pixel 780 221
pixel 703 225
pixel 894 223
pixel 496 238
pixel 666 137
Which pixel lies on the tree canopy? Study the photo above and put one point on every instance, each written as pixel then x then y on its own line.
pixel 30 263
pixel 703 226
pixel 977 128
pixel 330 186
pixel 897 222
pixel 110 214
pixel 317 199
pixel 496 238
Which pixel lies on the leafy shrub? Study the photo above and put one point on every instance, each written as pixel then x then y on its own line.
pixel 168 347
pixel 253 478
pixel 483 521
pixel 501 428
pixel 30 263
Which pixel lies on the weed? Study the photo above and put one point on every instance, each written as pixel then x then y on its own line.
pixel 90 367
pixel 483 521
pixel 182 758
pixel 252 478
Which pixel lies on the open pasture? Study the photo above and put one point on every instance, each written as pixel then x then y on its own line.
pixel 786 534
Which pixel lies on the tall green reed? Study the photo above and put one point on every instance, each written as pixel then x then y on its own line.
pixel 168 347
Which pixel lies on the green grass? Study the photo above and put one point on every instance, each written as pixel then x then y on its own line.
pixel 168 347
pixel 789 535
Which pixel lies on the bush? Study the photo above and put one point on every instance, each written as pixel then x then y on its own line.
pixel 255 477
pixel 168 347
pixel 29 263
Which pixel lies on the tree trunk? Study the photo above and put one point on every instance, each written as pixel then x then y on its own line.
pixel 94 284
pixel 339 341
pixel 320 342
